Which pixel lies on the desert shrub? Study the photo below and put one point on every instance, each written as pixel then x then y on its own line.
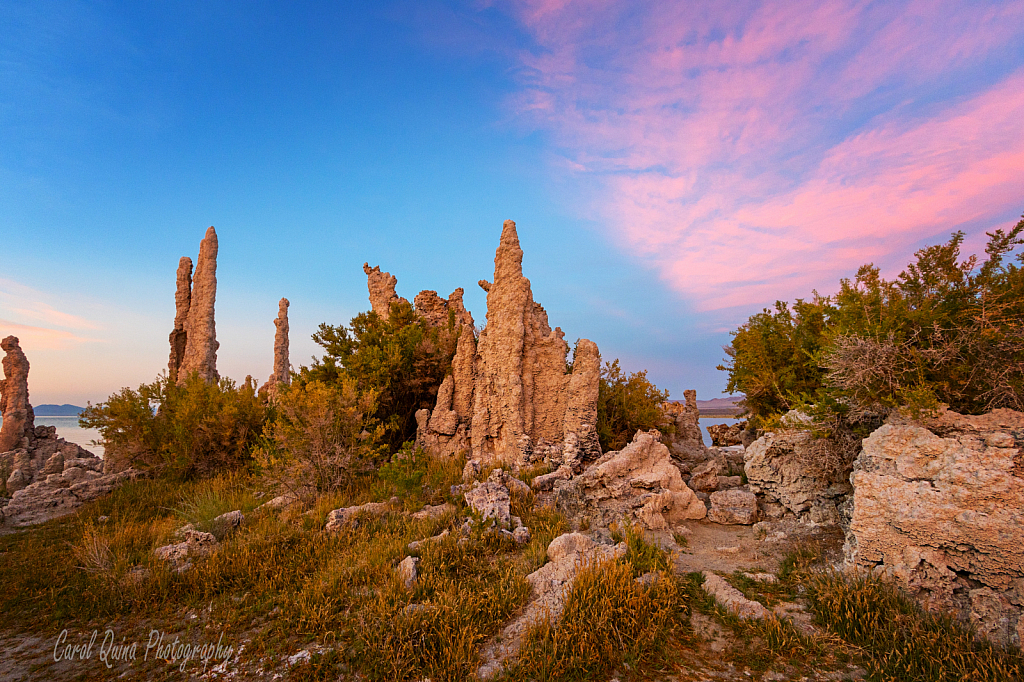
pixel 626 403
pixel 946 330
pixel 196 429
pixel 320 437
pixel 402 360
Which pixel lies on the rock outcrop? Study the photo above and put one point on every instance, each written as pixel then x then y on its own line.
pixel 19 419
pixel 686 443
pixel 725 435
pixel 182 302
pixel 282 368
pixel 510 399
pixel 79 480
pixel 779 466
pixel 200 353
pixel 382 290
pixel 638 484
pixel 938 505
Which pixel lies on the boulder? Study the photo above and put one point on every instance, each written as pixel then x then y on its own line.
pixel 339 518
pixel 779 467
pixel 179 555
pixel 638 483
pixel 937 505
pixel 491 499
pixel 731 598
pixel 733 507
pixel 724 435
pixel 408 571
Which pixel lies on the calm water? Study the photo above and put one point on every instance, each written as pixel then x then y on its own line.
pixel 69 430
pixel 705 422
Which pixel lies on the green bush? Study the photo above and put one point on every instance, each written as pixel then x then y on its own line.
pixel 183 431
pixel 626 404
pixel 946 330
pixel 403 360
pixel 320 437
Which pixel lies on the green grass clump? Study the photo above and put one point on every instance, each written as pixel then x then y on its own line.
pixel 610 620
pixel 902 642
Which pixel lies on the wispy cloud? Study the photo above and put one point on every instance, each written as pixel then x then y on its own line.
pixel 37 338
pixel 22 305
pixel 752 151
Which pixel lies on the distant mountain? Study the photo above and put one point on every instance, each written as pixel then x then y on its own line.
pixel 720 402
pixel 57 410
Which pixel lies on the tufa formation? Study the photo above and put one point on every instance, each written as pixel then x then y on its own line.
pixel 194 338
pixel 509 398
pixel 19 419
pixel 282 371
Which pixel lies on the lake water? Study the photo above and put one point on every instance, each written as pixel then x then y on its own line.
pixel 705 422
pixel 69 430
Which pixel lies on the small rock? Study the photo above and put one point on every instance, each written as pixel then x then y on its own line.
pixel 225 523
pixel 649 578
pixel 731 598
pixel 547 481
pixel 521 535
pixel 407 571
pixel 728 550
pixel 471 471
pixel 339 518
pixel 416 545
pixel 433 512
pixel 762 577
pixel 705 477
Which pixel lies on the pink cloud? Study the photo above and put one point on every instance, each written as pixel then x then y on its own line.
pixel 755 151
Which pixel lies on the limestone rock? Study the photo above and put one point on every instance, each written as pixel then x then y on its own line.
pixel 775 469
pixel 182 302
pixel 382 290
pixel 687 443
pixel 179 555
pixel 433 511
pixel 547 481
pixel 282 368
pixel 224 524
pixel 45 500
pixel 725 435
pixel 200 326
pixel 407 571
pixel 17 430
pixel 339 518
pixel 942 514
pixel 733 507
pixel 731 598
pixel 637 483
pixel 549 586
pixel 705 476
pixel 438 310
pixel 510 399
pixel 491 500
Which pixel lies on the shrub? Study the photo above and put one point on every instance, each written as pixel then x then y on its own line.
pixel 946 330
pixel 196 429
pixel 321 435
pixel 626 404
pixel 402 360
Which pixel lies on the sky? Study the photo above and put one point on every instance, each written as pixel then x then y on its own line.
pixel 673 167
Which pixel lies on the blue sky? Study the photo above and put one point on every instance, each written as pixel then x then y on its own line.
pixel 672 168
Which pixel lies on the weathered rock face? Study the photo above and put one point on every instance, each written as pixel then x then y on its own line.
pixel 200 326
pixel 687 443
pixel 637 484
pixel 19 419
pixel 437 310
pixel 775 467
pixel 510 399
pixel 733 507
pixel 938 505
pixel 182 303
